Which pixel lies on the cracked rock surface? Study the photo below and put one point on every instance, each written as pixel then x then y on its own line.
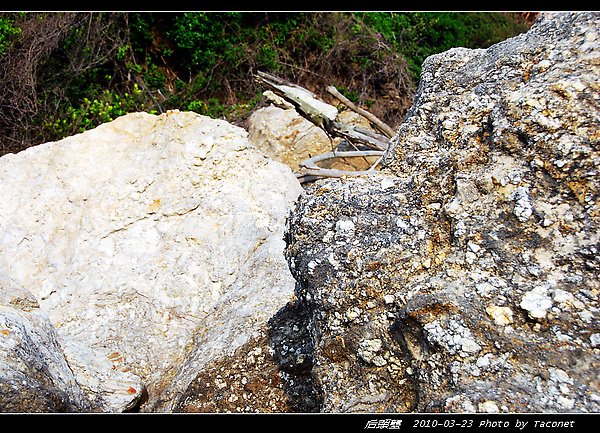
pixel 464 276
pixel 152 243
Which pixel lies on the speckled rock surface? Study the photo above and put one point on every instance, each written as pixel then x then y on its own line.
pixel 271 373
pixel 464 277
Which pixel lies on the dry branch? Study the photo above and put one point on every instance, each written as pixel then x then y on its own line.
pixel 378 123
pixel 309 170
pixel 323 115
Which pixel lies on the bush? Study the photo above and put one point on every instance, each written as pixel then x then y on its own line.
pixel 63 73
pixel 8 33
pixel 91 113
pixel 419 35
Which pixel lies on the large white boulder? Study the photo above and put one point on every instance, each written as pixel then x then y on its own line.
pixel 142 233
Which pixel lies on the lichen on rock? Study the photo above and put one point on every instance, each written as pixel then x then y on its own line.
pixel 474 271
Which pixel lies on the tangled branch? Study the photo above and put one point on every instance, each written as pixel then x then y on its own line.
pixel 323 115
pixel 51 51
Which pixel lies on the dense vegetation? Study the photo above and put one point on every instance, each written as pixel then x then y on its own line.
pixel 63 73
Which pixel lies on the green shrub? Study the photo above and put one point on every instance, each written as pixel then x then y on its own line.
pixel 91 113
pixel 201 38
pixel 420 34
pixel 205 62
pixel 7 33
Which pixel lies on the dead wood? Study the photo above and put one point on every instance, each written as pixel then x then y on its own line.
pixel 323 115
pixel 378 123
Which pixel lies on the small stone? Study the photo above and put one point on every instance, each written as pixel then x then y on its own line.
pixel 567 403
pixel 387 183
pixel 488 407
pixel 537 302
pixel 502 315
pixel 523 208
pixel 369 348
pixel 470 257
pixel 453 208
pixel 474 247
pixel 379 361
pixel 344 227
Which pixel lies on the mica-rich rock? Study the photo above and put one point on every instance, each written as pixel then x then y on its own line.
pixel 463 276
pixel 153 244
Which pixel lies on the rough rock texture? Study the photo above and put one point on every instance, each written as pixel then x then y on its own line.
pixel 153 244
pixel 141 263
pixel 34 375
pixel 270 373
pixel 464 277
pixel 285 136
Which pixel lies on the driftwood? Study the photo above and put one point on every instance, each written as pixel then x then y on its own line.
pixel 323 115
pixel 378 123
pixel 311 171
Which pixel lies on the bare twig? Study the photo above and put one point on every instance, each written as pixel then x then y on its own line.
pixel 378 123
pixel 305 102
pixel 355 134
pixel 141 82
pixel 323 115
pixel 309 170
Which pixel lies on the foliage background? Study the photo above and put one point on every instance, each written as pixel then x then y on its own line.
pixel 64 73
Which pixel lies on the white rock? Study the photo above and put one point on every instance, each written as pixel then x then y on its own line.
pixel 565 402
pixel 30 353
pixel 344 226
pixel 453 208
pixel 488 407
pixel 537 302
pixel 368 350
pixel 387 183
pixel 285 136
pixel 523 208
pixel 118 390
pixel 459 403
pixel 501 315
pixel 146 231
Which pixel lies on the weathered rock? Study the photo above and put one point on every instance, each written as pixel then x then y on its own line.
pixel 287 137
pixel 464 276
pixel 34 374
pixel 39 373
pixel 270 373
pixel 153 244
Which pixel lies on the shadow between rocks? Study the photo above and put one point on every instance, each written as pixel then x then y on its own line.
pixel 271 373
pixel 291 343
